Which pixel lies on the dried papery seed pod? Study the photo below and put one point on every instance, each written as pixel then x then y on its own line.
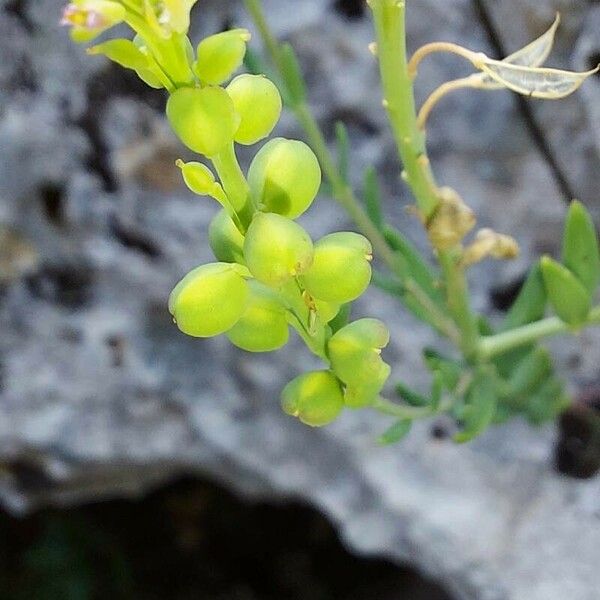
pixel 221 55
pixel 355 352
pixel 489 243
pixel 225 239
pixel 341 270
pixel 258 103
pixel 276 249
pixel 263 327
pixel 315 398
pixel 285 177
pixel 451 220
pixel 209 300
pixel 203 119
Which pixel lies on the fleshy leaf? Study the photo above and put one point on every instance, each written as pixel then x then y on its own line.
pixel 397 432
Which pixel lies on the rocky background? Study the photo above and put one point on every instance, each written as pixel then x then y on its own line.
pixel 101 397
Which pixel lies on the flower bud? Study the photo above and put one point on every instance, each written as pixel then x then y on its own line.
pixel 263 326
pixel 220 55
pixel 258 103
pixel 315 398
pixel 225 239
pixel 198 177
pixel 284 177
pixel 341 270
pixel 355 352
pixel 203 119
pixel 89 18
pixel 209 300
pixel 276 249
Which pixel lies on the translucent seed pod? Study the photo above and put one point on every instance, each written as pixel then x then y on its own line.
pixel 258 103
pixel 203 119
pixel 221 55
pixel 276 249
pixel 263 326
pixel 209 300
pixel 359 395
pixel 225 239
pixel 341 270
pixel 315 398
pixel 285 177
pixel 355 351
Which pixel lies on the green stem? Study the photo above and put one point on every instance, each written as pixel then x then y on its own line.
pixel 235 185
pixel 399 101
pixel 344 194
pixel 457 296
pixel 494 345
pixel 390 27
pixel 387 407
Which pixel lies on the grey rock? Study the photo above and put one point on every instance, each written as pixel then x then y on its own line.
pixel 100 396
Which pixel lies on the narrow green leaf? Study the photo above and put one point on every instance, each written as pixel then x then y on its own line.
pixel 479 412
pixel 569 298
pixel 542 404
pixel 529 373
pixel 292 75
pixel 372 195
pixel 411 397
pixel 343 149
pixel 448 370
pixel 395 433
pixel 418 269
pixel 580 247
pixel 530 305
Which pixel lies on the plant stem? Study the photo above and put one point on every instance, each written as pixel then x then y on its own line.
pixel 389 16
pixel 387 407
pixel 235 185
pixel 344 194
pixel 494 345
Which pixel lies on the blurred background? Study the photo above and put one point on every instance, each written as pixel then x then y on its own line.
pixel 138 463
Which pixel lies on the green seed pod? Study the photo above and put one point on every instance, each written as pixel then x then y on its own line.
pixel 225 239
pixel 263 326
pixel 315 398
pixel 209 300
pixel 284 177
pixel 341 270
pixel 203 119
pixel 567 295
pixel 327 311
pixel 363 394
pixel 355 352
pixel 221 55
pixel 258 103
pixel 276 249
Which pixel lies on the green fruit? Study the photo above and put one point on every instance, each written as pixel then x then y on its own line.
pixel 220 55
pixel 363 394
pixel 276 249
pixel 209 300
pixel 263 326
pixel 225 239
pixel 341 270
pixel 284 177
pixel 258 103
pixel 203 119
pixel 327 311
pixel 198 177
pixel 355 352
pixel 315 398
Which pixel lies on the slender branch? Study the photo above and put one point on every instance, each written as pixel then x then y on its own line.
pixel 438 94
pixel 494 345
pixel 475 58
